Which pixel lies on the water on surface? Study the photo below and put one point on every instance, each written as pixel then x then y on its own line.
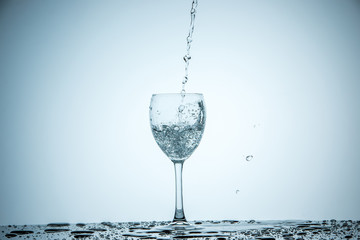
pixel 219 230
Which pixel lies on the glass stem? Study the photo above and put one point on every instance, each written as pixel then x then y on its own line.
pixel 179 208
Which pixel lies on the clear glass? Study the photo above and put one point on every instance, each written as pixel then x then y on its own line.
pixel 177 122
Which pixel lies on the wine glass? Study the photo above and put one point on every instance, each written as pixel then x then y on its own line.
pixel 177 122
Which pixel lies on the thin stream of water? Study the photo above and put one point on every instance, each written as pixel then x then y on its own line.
pixel 187 57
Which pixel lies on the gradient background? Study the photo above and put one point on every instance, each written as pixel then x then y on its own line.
pixel 281 81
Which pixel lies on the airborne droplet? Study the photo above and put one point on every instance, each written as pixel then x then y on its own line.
pixel 187 57
pixel 249 157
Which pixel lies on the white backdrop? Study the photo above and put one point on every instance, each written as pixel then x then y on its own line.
pixel 280 81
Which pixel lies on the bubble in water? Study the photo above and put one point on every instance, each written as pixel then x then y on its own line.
pixel 181 108
pixel 249 157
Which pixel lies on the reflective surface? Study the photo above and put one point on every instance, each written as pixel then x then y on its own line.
pixel 225 229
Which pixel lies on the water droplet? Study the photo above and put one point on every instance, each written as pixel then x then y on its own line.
pixel 181 108
pixel 10 235
pixel 82 232
pixel 56 230
pixel 158 112
pixel 187 57
pixel 249 157
pixel 83 236
pixel 58 224
pixel 21 232
pixel 237 191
